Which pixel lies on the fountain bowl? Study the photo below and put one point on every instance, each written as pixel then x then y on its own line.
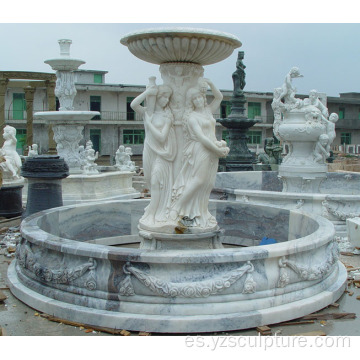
pixel 64 64
pixel 66 117
pixel 83 263
pixel 163 45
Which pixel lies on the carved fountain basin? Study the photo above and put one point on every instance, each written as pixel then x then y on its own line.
pixel 199 46
pixel 83 263
pixel 297 128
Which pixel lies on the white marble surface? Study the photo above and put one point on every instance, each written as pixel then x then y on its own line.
pixel 165 45
pixel 175 290
pixel 353 231
pixel 79 188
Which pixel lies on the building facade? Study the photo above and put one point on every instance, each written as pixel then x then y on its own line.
pixel 118 124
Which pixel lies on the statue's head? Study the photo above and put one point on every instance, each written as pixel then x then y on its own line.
pixel 164 94
pixel 313 94
pixel 203 85
pixel 324 139
pixel 193 94
pixel 9 130
pixel 122 148
pixel 295 72
pixel 334 117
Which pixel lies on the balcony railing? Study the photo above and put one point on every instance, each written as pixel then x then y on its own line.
pixel 118 116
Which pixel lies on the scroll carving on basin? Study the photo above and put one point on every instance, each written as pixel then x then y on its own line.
pixel 305 125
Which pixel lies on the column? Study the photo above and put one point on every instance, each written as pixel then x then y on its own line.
pixel 3 86
pixel 50 91
pixel 29 97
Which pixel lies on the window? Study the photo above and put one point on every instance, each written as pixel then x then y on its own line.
pixel 95 137
pixel 341 113
pixel 57 104
pixel 19 106
pixel 95 105
pixel 130 113
pixel 254 109
pixel 346 138
pixel 133 137
pixel 225 109
pixel 254 137
pixel 98 79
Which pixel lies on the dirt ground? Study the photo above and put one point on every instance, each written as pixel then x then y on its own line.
pixel 17 319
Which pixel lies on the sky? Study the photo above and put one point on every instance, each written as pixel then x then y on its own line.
pixel 327 53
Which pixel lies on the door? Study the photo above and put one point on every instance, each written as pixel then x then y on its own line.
pixel 95 137
pixel 19 106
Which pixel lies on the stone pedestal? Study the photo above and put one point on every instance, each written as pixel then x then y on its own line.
pixel 11 200
pixel 44 174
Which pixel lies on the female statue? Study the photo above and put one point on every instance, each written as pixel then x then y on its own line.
pixel 159 151
pixel 12 164
pixel 202 151
pixel 239 75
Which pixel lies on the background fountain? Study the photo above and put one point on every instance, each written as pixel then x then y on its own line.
pixel 302 181
pixel 240 158
pixel 67 264
pixel 86 182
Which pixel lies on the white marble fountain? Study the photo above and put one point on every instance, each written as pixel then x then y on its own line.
pixel 86 182
pixel 174 264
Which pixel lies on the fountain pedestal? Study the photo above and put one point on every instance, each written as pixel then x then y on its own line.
pixel 239 158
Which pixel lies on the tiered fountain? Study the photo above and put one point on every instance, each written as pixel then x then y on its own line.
pixel 177 265
pixel 85 182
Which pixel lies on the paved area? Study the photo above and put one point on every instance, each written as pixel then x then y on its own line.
pixel 17 319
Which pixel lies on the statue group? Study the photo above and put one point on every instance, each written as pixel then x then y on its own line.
pixel 182 197
pixel 316 116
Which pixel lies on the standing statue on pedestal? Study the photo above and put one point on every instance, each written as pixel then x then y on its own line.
pixel 201 155
pixel 159 151
pixel 239 75
pixel 12 164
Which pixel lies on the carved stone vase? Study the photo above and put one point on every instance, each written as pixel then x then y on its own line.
pixel 299 170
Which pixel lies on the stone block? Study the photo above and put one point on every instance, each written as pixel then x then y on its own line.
pixel 353 231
